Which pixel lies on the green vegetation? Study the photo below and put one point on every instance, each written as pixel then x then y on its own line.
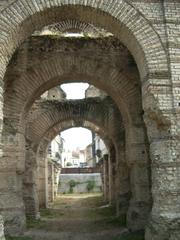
pixel 35 223
pixel 51 213
pixel 117 221
pixel 131 236
pixel 68 164
pixel 105 212
pixel 18 238
pixel 90 185
pixel 72 184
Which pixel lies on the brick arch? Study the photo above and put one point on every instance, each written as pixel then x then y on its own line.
pixel 73 26
pixel 68 124
pixel 90 113
pixel 42 148
pixel 122 87
pixel 132 29
pixel 50 114
pixel 59 70
pixel 110 15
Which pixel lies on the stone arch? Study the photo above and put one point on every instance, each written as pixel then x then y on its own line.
pixel 74 26
pixel 141 36
pixel 75 65
pixel 50 113
pixel 123 86
pixel 95 111
pixel 41 148
pixel 51 116
pixel 65 125
pixel 109 15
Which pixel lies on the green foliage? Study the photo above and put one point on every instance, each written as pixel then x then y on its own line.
pixel 50 213
pixel 18 238
pixel 72 184
pixel 68 164
pixel 90 185
pixel 34 223
pixel 117 221
pixel 131 236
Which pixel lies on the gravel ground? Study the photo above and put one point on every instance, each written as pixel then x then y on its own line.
pixel 77 217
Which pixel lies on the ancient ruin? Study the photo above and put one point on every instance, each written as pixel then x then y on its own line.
pixel 128 53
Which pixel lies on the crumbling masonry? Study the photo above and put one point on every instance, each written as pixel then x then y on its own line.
pixel 138 67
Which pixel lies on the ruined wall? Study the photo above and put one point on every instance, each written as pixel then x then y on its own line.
pixel 39 49
pixel 150 30
pixel 81 183
pixel 104 114
pixel 50 114
pixel 54 170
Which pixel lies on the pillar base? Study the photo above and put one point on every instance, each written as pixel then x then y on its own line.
pixel 14 222
pixel 1 228
pixel 122 204
pixel 11 203
pixel 138 215
pixel 163 227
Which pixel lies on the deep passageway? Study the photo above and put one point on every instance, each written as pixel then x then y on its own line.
pixel 80 217
pixel 128 53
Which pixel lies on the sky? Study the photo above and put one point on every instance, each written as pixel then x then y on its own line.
pixel 76 137
pixel 75 90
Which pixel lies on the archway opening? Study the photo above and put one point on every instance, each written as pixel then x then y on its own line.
pixel 79 190
pixel 118 98
pixel 75 90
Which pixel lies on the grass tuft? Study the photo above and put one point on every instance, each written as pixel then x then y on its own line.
pixel 50 213
pixel 18 238
pixel 131 236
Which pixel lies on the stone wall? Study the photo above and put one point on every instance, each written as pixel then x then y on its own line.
pixel 150 30
pixel 81 182
pixel 54 170
pixel 51 114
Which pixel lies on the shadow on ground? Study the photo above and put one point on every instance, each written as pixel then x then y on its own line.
pixel 79 217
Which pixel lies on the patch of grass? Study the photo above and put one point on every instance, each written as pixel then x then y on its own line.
pixel 18 238
pixel 108 223
pixel 107 211
pixel 117 221
pixel 90 185
pixel 50 213
pixel 35 223
pixel 131 236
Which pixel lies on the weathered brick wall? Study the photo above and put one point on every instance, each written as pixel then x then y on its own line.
pixel 51 113
pixel 53 180
pixel 48 117
pixel 30 183
pixel 150 30
pixel 46 121
pixel 120 74
pixel 99 51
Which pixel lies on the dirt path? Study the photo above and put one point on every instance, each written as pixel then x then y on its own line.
pixel 77 217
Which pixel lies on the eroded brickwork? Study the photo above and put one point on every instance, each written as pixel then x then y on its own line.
pixel 150 30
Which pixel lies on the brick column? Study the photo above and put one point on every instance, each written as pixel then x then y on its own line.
pixel 11 202
pixel 1 229
pixel 161 97
pixel 165 216
pixel 122 182
pixel 137 154
pixel 50 181
pixel 30 190
pixel 42 182
pixel 11 175
pixel 106 177
pixel 112 173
